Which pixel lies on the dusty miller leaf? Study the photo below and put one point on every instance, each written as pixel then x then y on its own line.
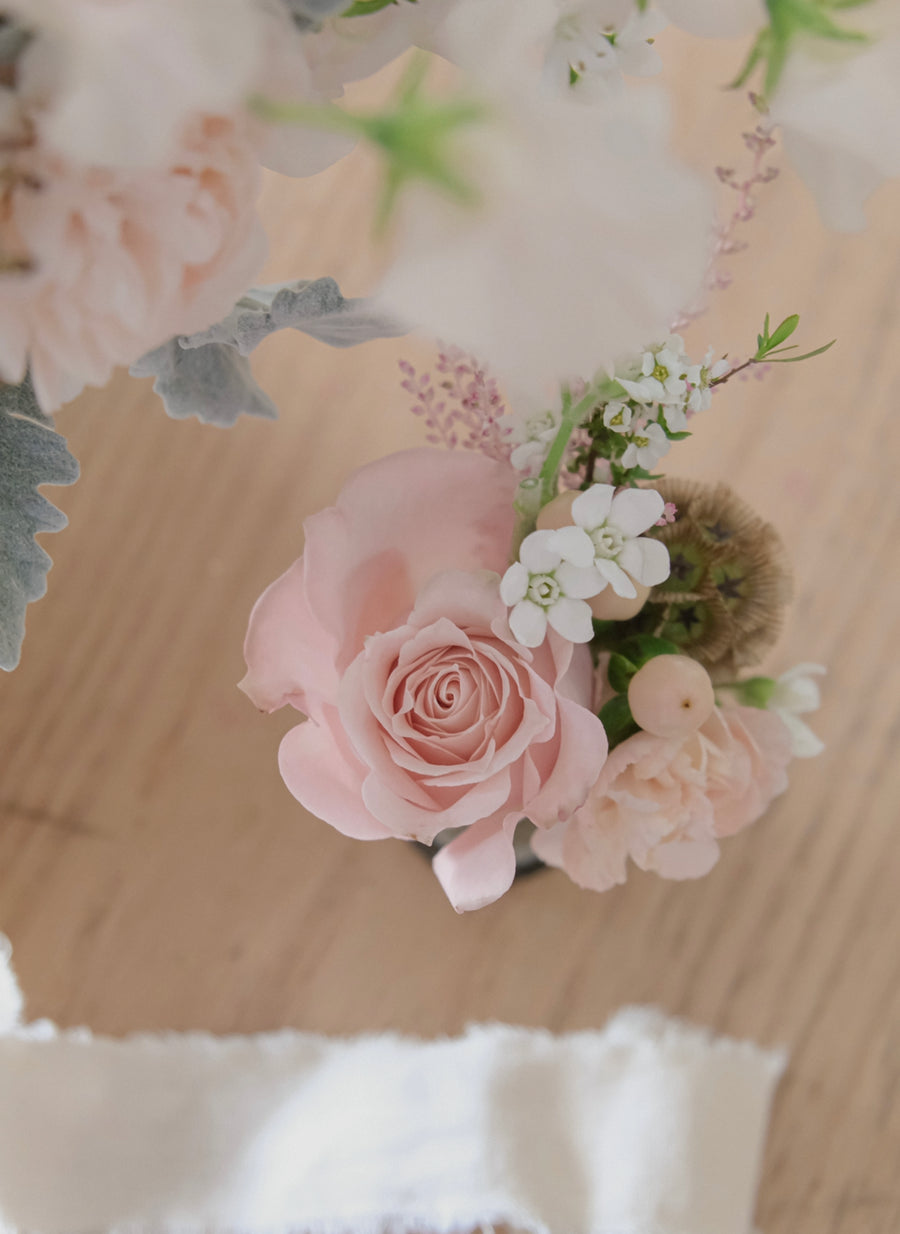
pixel 31 453
pixel 213 383
pixel 206 374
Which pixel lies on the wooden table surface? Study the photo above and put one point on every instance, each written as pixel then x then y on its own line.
pixel 155 873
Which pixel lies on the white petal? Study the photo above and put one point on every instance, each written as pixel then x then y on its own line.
pixel 804 742
pixel 645 560
pixel 676 420
pixel 538 553
pixel 591 508
pixel 636 509
pixel 574 544
pixel 514 584
pixel 621 583
pixel 579 582
pixel 572 619
pixel 528 622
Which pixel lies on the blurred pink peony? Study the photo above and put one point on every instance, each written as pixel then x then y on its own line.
pixel 115 262
pixel 424 712
pixel 665 804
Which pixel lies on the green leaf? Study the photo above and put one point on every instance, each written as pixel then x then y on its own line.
pixel 639 648
pixel 31 454
pixel 773 358
pixel 784 331
pixel 756 691
pixel 362 8
pixel 620 672
pixel 616 718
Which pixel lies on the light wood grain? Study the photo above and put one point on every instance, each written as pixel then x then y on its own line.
pixel 154 872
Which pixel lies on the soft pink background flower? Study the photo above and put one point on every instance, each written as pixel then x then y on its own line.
pixel 665 804
pixel 424 713
pixel 123 260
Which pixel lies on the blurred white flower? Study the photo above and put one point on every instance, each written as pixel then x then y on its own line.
pixel 587 237
pixel 796 693
pixel 113 82
pixel 717 19
pixel 532 434
pixel 617 416
pixel 838 105
pixel 595 41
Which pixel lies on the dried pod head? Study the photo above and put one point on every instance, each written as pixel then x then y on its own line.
pixel 724 600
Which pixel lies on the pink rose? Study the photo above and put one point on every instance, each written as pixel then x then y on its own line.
pixel 424 712
pixel 665 803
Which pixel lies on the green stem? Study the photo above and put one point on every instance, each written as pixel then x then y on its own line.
pixel 572 415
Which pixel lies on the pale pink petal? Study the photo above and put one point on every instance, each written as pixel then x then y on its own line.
pixel 290 657
pixel 397 523
pixel 478 866
pixel 463 808
pixel 574 763
pixel 321 771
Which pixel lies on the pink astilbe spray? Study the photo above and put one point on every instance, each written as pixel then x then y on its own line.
pixel 759 141
pixel 462 406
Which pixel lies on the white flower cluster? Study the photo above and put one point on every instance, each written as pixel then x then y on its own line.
pixel 559 571
pixel 664 388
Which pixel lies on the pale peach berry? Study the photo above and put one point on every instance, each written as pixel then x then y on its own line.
pixel 671 696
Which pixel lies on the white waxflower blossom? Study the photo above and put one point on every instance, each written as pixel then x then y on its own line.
pixel 597 41
pixel 617 416
pixel 796 693
pixel 574 203
pixel 647 446
pixel 662 375
pixel 716 19
pixel 112 84
pixel 615 523
pixel 532 435
pixel 837 105
pixel 550 584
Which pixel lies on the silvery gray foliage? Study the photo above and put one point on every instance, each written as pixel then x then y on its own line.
pixel 213 383
pixel 31 453
pixel 206 374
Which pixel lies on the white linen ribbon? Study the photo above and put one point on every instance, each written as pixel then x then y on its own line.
pixel 648 1127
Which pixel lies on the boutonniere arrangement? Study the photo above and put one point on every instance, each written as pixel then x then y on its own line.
pixel 528 631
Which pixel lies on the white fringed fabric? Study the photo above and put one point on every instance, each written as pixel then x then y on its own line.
pixel 648 1127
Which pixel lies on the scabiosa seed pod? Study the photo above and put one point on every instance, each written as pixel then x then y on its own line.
pixel 724 600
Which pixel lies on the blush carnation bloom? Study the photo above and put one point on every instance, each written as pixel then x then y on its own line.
pixel 113 82
pixel 119 261
pixel 666 804
pixel 424 713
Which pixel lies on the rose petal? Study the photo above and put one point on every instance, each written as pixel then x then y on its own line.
pixel 479 866
pixel 321 771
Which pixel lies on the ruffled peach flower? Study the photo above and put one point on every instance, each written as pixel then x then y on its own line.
pixel 666 804
pixel 424 712
pixel 114 262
